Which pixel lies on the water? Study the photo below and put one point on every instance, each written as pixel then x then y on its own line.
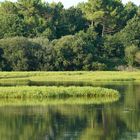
pixel 116 121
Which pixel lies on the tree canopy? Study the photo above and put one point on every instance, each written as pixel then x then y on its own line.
pixel 95 35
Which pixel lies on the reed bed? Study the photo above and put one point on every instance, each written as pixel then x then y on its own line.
pixel 68 101
pixel 42 92
pixel 65 78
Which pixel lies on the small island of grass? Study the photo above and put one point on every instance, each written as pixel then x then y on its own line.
pixel 55 92
pixel 25 95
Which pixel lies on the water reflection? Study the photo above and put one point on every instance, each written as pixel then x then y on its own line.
pixel 117 121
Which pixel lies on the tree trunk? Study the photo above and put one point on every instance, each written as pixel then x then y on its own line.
pixel 103 30
pixel 92 23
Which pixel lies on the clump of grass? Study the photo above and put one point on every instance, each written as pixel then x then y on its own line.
pixel 56 92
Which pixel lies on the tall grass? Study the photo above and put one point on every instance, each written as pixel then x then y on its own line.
pixel 56 92
pixel 75 101
pixel 64 78
pixel 14 82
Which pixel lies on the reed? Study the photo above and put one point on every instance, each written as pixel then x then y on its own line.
pixel 65 78
pixel 42 92
pixel 68 101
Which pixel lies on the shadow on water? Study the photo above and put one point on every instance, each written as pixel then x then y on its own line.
pixel 116 121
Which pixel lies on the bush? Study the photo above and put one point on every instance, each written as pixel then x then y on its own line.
pixel 20 54
pixel 130 53
pixel 137 57
pixel 99 66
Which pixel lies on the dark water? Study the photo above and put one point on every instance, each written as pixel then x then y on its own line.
pixel 116 121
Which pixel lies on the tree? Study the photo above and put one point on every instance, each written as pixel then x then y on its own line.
pixel 131 33
pixel 87 48
pixel 29 10
pixel 113 51
pixel 113 47
pixel 130 10
pixel 71 21
pixel 137 57
pixel 64 53
pixel 20 54
pixel 76 52
pixel 130 53
pixel 8 7
pixel 10 25
pixel 10 22
pixel 104 13
pixel 45 55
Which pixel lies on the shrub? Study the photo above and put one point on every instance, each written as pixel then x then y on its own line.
pixel 20 54
pixel 130 53
pixel 98 66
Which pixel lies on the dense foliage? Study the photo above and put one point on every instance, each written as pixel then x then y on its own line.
pixel 96 35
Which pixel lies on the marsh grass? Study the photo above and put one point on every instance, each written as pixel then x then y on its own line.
pixel 14 82
pixel 74 101
pixel 56 92
pixel 65 78
pixel 62 87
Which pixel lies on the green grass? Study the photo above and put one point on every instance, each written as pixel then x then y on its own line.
pixel 14 82
pixel 61 87
pixel 64 78
pixel 42 92
pixel 67 101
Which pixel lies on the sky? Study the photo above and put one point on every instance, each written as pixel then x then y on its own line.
pixel 68 3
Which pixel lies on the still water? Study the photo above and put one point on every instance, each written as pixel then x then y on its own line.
pixel 115 121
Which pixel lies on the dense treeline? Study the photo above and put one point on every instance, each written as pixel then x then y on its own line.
pixel 96 35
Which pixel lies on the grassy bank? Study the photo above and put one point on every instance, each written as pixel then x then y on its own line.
pixel 42 92
pixel 64 78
